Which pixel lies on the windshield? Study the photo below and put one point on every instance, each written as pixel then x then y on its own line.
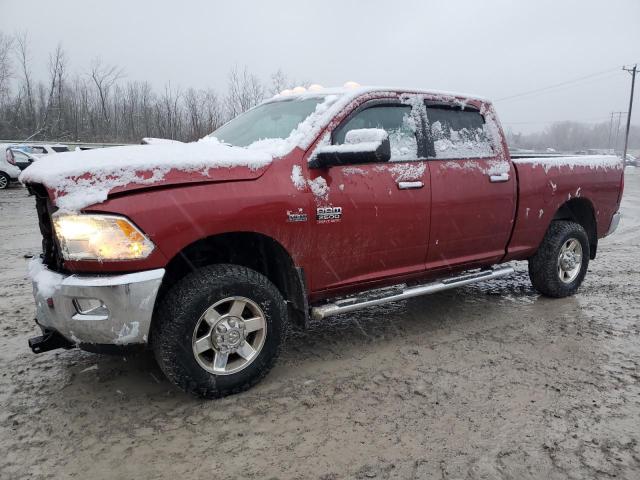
pixel 269 120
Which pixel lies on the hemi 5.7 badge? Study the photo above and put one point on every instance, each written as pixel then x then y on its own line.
pixel 328 214
pixel 298 216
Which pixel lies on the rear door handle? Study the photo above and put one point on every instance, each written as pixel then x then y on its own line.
pixel 409 185
pixel 503 177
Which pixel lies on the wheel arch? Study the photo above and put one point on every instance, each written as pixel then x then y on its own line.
pixel 581 211
pixel 252 250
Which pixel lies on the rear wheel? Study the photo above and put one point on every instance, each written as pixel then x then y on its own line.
pixel 4 180
pixel 219 330
pixel 560 264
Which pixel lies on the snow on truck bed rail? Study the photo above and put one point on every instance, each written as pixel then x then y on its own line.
pixel 594 162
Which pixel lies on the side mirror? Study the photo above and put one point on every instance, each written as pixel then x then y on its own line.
pixel 365 145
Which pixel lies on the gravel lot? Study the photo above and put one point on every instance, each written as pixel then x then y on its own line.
pixel 489 381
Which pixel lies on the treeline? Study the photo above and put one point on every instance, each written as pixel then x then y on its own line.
pixel 575 136
pixel 100 105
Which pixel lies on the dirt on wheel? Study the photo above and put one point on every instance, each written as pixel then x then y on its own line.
pixel 488 381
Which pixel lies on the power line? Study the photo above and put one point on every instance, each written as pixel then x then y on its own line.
pixel 561 84
pixel 613 114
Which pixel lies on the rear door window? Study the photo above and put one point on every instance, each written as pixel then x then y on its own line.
pixel 37 150
pixel 395 119
pixel 457 132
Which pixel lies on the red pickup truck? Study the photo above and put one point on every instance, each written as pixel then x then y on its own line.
pixel 313 203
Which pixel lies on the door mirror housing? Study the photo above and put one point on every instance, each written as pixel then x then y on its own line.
pixel 365 145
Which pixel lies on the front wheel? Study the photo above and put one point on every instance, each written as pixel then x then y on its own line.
pixel 219 330
pixel 4 180
pixel 560 264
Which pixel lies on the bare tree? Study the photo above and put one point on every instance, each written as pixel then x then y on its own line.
pixel 279 82
pixel 104 78
pixel 22 52
pixel 212 110
pixel 57 69
pixel 6 47
pixel 244 92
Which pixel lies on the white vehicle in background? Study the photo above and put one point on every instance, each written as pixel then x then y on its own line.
pixel 8 172
pixel 15 157
pixel 20 158
pixel 44 149
pixel 631 161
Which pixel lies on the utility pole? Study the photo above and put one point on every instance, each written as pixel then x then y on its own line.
pixel 615 142
pixel 633 83
pixel 610 130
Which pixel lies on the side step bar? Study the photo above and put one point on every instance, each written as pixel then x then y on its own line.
pixel 391 295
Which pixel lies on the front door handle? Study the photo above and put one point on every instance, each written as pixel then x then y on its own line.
pixel 503 177
pixel 409 185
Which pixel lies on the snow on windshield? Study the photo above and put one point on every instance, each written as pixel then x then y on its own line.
pixel 271 120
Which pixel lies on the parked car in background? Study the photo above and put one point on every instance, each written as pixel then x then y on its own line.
pixel 20 158
pixel 631 161
pixel 41 150
pixel 8 172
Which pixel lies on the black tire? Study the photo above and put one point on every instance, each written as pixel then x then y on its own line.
pixel 544 265
pixel 5 180
pixel 180 310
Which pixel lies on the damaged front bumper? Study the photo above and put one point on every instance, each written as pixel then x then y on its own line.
pixel 89 310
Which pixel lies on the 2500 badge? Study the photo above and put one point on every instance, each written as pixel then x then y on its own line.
pixel 328 214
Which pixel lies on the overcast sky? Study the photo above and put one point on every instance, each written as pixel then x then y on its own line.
pixel 492 48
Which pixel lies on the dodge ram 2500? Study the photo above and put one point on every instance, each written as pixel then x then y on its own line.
pixel 311 204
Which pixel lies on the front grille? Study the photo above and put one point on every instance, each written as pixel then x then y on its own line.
pixel 50 253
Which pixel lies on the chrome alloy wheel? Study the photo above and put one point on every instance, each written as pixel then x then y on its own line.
pixel 229 335
pixel 4 183
pixel 570 260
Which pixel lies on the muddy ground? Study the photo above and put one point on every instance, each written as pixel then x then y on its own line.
pixel 489 381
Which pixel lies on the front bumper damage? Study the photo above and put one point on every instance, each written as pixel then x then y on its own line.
pixel 93 310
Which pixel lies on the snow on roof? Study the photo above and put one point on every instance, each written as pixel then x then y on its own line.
pixel 361 90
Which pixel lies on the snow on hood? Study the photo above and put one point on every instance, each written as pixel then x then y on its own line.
pixel 80 179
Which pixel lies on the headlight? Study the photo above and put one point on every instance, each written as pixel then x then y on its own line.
pixel 100 237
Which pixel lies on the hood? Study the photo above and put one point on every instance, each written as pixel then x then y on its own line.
pixel 77 180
